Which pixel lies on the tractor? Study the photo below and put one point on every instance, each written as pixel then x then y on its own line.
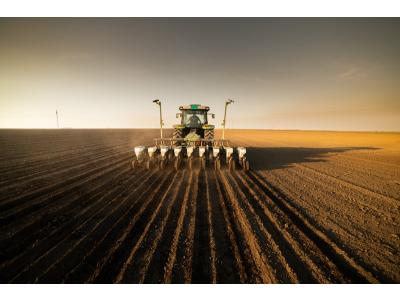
pixel 192 140
pixel 194 124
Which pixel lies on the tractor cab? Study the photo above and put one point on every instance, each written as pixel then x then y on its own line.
pixel 194 115
pixel 194 123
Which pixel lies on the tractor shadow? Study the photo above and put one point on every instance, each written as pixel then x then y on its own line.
pixel 283 157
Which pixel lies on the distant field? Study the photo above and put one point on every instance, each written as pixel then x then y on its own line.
pixel 316 207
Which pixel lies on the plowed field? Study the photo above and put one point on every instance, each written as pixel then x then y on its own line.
pixel 317 207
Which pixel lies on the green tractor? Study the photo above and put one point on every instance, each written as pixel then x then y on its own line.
pixel 194 124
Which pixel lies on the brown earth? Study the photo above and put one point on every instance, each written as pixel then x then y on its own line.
pixel 317 207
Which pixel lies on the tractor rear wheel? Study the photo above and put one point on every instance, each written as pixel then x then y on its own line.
pixel 209 134
pixel 177 134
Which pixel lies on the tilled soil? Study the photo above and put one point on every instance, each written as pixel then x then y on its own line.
pixel 317 207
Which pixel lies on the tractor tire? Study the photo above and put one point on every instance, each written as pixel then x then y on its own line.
pixel 209 134
pixel 177 134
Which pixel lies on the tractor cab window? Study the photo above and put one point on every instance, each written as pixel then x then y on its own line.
pixel 194 118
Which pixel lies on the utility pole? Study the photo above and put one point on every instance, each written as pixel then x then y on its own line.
pixel 229 101
pixel 158 102
pixel 58 126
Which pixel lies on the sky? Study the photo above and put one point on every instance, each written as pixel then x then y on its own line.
pixel 313 74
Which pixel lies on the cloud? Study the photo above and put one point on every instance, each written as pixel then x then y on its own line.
pixel 353 72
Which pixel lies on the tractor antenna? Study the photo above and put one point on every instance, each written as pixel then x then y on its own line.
pixel 158 102
pixel 229 101
pixel 58 126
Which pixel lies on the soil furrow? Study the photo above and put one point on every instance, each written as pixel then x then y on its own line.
pixel 49 185
pixel 172 255
pixel 354 186
pixel 211 231
pixel 263 271
pixel 153 261
pixel 229 265
pixel 75 267
pixel 181 270
pixel 53 246
pixel 280 228
pixel 271 252
pixel 33 236
pixel 341 259
pixel 57 192
pixel 124 271
pixel 245 262
pixel 29 177
pixel 201 261
pixel 58 211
